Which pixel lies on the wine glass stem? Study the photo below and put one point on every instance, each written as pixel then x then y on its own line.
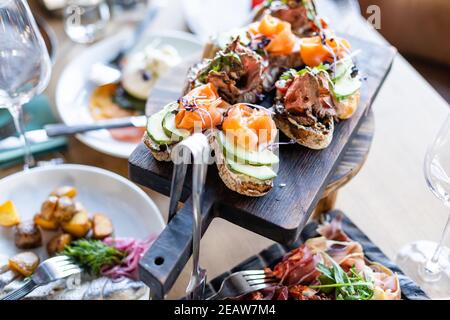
pixel 434 261
pixel 18 117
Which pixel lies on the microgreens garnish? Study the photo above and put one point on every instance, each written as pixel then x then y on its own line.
pixel 291 73
pixel 219 62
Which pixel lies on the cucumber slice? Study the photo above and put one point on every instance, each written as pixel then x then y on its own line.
pixel 257 172
pixel 343 68
pixel 154 126
pixel 238 154
pixel 171 130
pixel 346 87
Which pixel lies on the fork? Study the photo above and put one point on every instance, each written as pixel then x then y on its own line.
pixel 244 282
pixel 48 271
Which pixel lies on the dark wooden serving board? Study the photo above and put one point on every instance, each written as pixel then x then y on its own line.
pixel 281 214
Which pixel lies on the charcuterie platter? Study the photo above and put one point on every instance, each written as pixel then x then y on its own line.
pixel 286 74
pixel 273 255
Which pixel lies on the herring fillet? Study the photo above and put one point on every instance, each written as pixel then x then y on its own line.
pixel 104 289
pixel 86 288
pixel 98 289
pixel 4 262
pixel 95 289
pixel 124 290
pixel 6 278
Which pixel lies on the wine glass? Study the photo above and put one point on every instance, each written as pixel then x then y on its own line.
pixel 25 65
pixel 86 20
pixel 428 263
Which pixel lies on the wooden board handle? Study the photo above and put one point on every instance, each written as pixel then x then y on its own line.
pixel 161 265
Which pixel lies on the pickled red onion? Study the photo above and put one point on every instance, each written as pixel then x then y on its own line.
pixel 135 249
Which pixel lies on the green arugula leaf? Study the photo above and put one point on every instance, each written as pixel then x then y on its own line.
pixel 351 286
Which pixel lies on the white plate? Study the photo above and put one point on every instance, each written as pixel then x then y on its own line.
pixel 132 212
pixel 73 90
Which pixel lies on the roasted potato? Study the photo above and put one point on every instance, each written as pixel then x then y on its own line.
pixel 65 209
pixel 44 223
pixel 65 191
pixel 48 208
pixel 58 243
pixel 24 263
pixel 102 226
pixel 8 214
pixel 79 225
pixel 27 235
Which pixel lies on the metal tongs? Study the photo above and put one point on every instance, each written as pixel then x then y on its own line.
pixel 195 148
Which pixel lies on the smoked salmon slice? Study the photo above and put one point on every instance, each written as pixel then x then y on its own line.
pixel 200 109
pixel 250 128
pixel 314 52
pixel 282 40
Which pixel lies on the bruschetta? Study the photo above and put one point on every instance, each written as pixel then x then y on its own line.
pixel 235 71
pixel 334 52
pixel 304 108
pixel 198 110
pixel 244 160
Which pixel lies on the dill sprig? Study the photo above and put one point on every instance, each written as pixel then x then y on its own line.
pixel 93 255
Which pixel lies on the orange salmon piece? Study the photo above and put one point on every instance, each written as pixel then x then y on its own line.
pixel 282 40
pixel 314 52
pixel 199 109
pixel 249 127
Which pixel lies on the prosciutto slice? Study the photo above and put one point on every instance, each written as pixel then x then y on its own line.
pixel 300 292
pixel 338 246
pixel 298 266
pixel 274 293
pixel 333 230
pixel 387 285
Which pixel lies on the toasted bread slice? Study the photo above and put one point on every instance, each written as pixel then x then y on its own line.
pixel 160 153
pixel 240 183
pixel 347 107
pixel 317 136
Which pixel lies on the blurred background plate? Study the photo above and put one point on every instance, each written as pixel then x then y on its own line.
pixel 74 89
pixel 132 212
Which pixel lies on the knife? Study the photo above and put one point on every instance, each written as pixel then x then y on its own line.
pixel 59 129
